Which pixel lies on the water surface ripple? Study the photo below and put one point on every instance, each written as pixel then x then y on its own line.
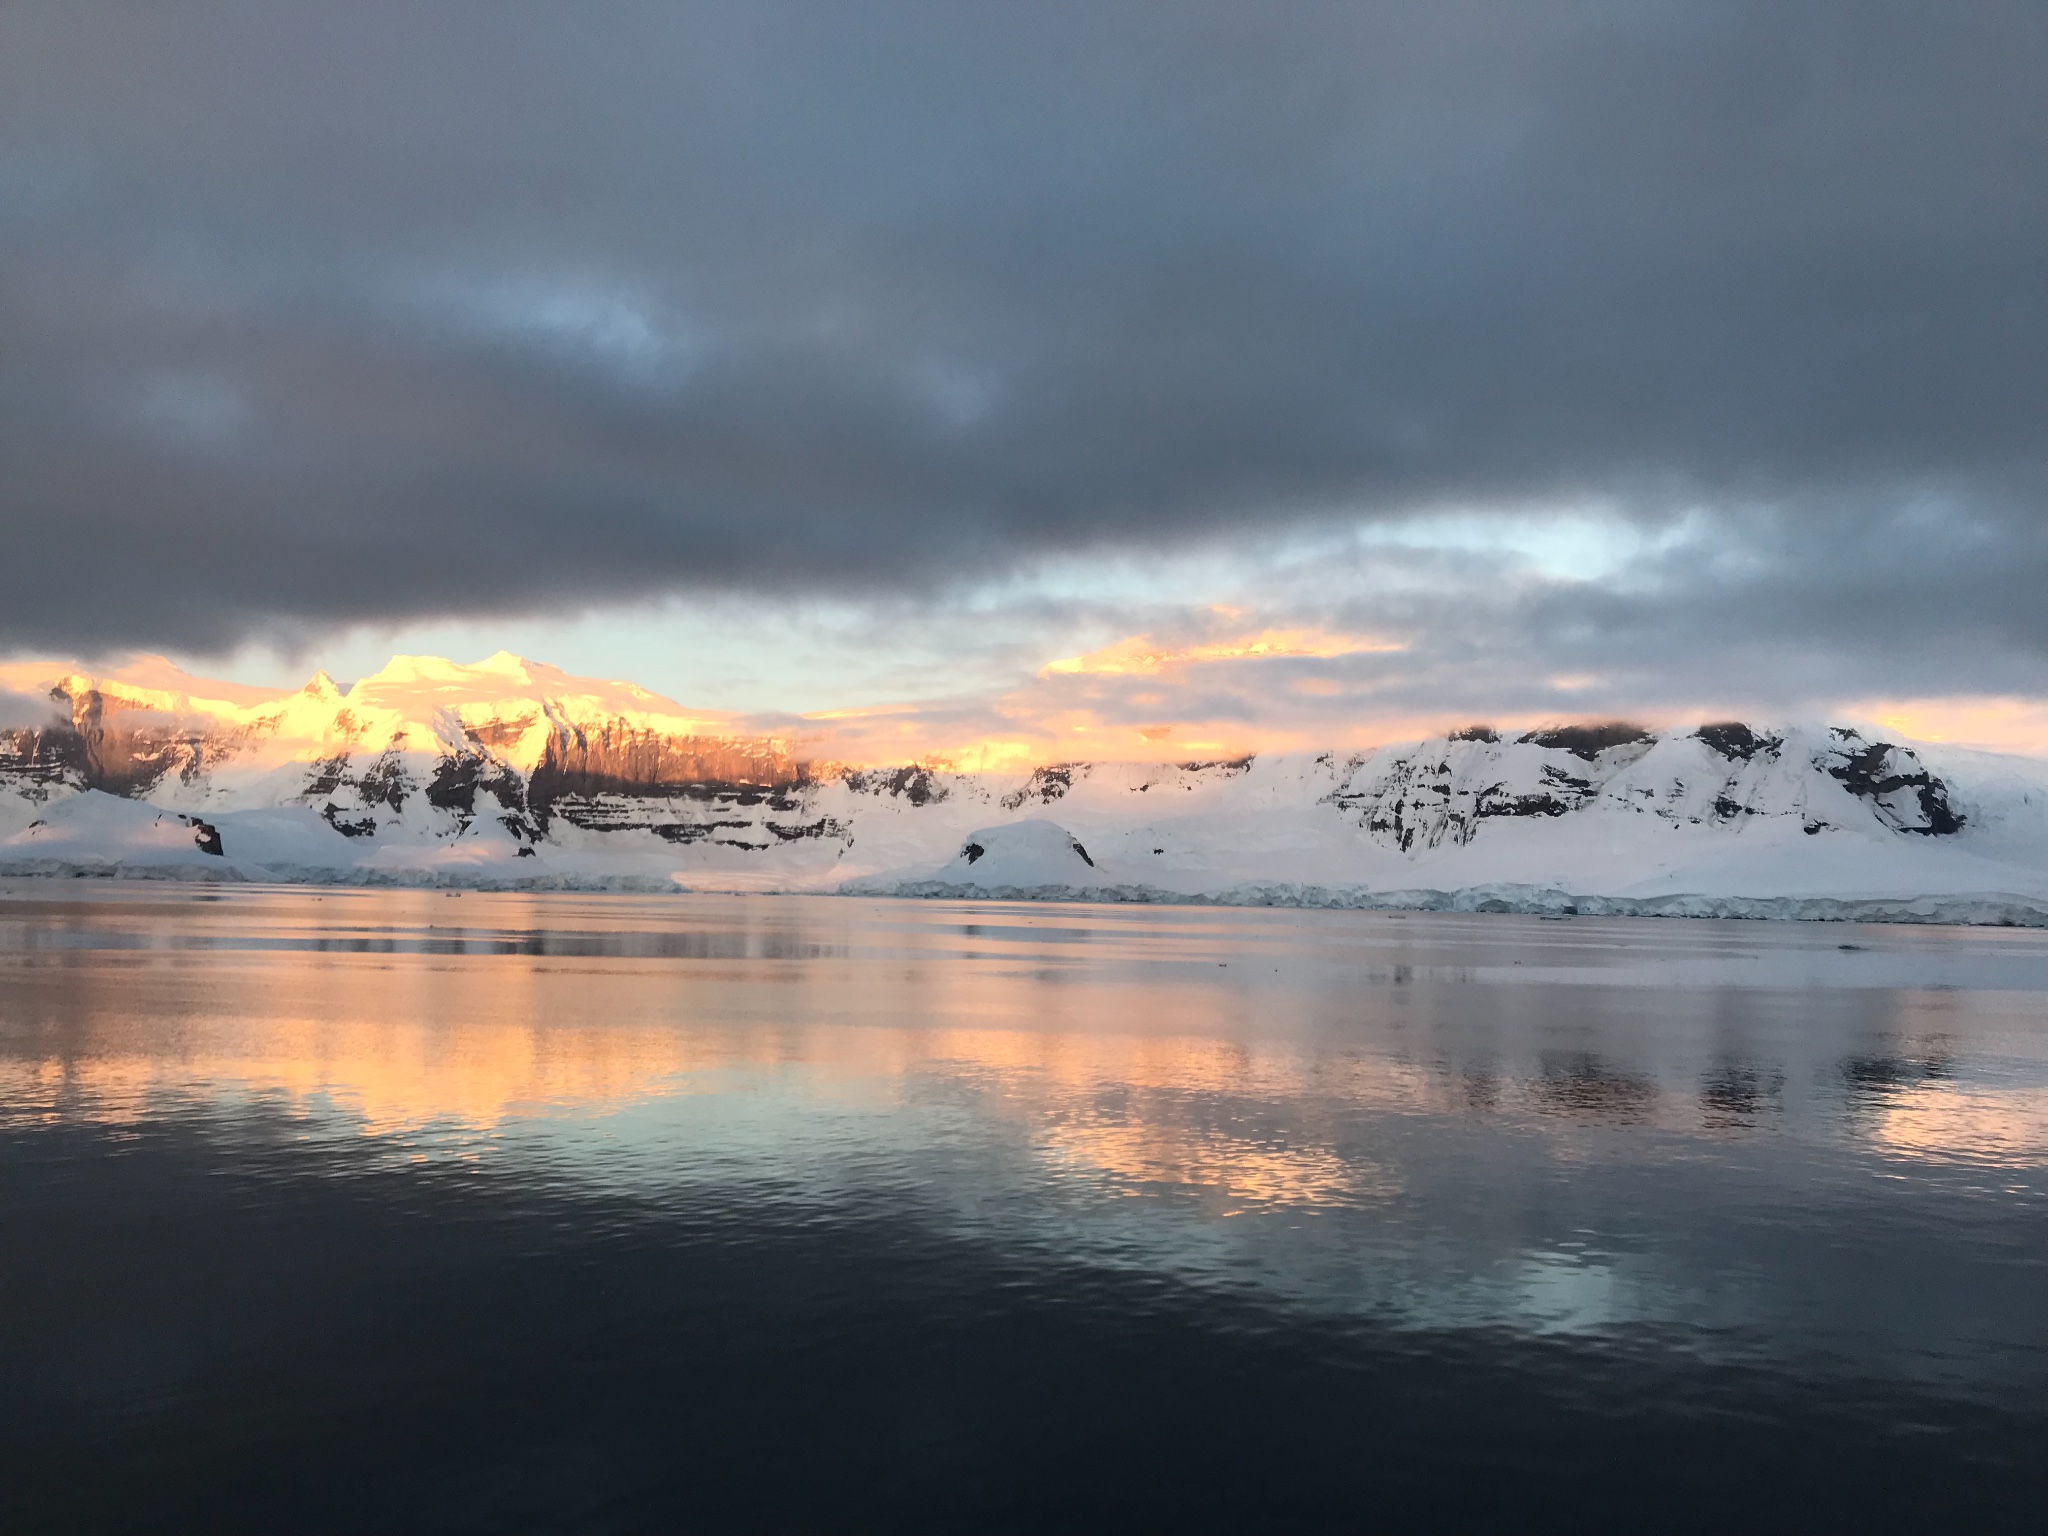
pixel 339 1211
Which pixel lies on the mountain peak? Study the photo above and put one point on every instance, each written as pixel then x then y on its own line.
pixel 439 672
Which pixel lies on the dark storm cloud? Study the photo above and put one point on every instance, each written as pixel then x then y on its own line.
pixel 324 313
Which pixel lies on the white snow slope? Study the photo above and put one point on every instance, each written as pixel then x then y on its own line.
pixel 511 774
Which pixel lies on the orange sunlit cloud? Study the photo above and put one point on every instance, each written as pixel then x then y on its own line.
pixel 1996 724
pixel 1144 654
pixel 1219 683
pixel 1149 696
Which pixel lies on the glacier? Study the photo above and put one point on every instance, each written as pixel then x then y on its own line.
pixel 509 774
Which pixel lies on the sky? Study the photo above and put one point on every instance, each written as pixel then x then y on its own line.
pixel 1036 381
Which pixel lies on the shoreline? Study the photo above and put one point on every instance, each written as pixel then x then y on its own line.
pixel 1990 909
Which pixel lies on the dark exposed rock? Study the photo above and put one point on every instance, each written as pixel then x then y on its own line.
pixel 460 778
pixel 606 810
pixel 361 826
pixel 681 817
pixel 973 851
pixel 453 786
pixel 326 776
pixel 1476 733
pixel 205 835
pixel 1046 785
pixel 1737 742
pixel 824 826
pixel 1892 779
pixel 1589 741
pixel 1230 767
pixel 1413 803
pixel 687 831
pixel 1420 804
pixel 1497 802
pixel 915 783
pixel 385 781
pixel 34 760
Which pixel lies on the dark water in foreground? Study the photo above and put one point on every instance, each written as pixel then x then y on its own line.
pixel 400 1212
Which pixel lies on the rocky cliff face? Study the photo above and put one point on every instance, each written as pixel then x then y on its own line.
pixel 36 763
pixel 1448 791
pixel 95 740
pixel 508 761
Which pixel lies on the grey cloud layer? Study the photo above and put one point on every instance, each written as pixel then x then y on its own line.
pixel 325 313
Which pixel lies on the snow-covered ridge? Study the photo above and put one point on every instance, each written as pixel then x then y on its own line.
pixel 509 772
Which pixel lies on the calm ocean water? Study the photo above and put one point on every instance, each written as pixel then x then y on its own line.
pixel 388 1212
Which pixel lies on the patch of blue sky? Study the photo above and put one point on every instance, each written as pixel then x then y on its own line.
pixel 1584 545
pixel 609 323
pixel 802 655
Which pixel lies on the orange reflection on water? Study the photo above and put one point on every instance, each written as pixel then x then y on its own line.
pixel 1110 1079
pixel 1142 1109
pixel 1955 1122
pixel 387 1077
pixel 393 1047
pixel 1234 1170
pixel 1114 1059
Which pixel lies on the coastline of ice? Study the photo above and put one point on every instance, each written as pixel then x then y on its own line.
pixel 1979 909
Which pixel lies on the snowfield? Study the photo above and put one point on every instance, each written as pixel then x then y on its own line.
pixel 509 774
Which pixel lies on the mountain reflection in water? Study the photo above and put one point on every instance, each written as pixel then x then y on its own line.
pixel 1709 1201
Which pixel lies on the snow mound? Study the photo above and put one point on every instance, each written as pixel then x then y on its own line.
pixel 102 834
pixel 1021 859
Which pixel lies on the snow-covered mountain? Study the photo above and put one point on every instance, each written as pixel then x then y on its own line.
pixel 513 773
